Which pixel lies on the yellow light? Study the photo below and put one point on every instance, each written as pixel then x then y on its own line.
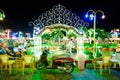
pixel 1 18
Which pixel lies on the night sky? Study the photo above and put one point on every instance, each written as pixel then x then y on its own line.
pixel 20 12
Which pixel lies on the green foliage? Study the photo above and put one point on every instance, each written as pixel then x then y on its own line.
pixel 46 36
pixel 88 45
pixel 104 45
pixel 57 34
pixel 98 53
pixel 87 52
pixel 100 33
pixel 71 34
pixel 112 45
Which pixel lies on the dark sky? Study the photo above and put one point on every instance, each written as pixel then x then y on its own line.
pixel 20 12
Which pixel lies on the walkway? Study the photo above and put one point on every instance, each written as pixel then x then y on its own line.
pixel 87 74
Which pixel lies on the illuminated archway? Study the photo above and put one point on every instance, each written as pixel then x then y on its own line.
pixel 56 17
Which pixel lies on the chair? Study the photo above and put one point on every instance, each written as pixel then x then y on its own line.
pixel 105 62
pixel 28 62
pixel 106 51
pixel 6 62
pixel 89 63
pixel 0 63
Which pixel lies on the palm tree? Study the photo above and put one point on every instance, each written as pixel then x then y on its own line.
pixel 100 33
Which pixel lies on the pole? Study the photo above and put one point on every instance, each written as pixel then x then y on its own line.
pixel 94 41
pixel 94 17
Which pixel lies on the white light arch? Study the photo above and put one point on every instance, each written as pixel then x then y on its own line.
pixel 57 16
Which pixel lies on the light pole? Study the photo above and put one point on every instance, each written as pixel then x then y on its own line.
pixel 93 17
pixel 2 14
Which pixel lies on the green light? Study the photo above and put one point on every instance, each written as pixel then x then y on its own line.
pixel 2 14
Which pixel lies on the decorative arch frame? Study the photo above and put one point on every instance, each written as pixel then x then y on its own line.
pixel 56 16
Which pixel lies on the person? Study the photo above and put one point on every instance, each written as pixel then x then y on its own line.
pixel 44 56
pixel 71 45
pixel 18 51
pixel 117 54
pixel 118 48
pixel 11 44
pixel 4 50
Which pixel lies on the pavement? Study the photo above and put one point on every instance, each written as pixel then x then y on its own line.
pixel 52 74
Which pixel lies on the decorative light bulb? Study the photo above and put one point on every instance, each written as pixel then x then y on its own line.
pixel 103 16
pixel 1 18
pixel 91 15
pixel 91 18
pixel 86 15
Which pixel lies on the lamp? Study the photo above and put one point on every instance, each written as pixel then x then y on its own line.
pixel 93 17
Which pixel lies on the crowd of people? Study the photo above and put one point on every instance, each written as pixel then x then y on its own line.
pixel 15 47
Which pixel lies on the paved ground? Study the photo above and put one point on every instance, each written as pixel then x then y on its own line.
pixel 87 74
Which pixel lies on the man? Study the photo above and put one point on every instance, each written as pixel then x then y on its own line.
pixel 11 44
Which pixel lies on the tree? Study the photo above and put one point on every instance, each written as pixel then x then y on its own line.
pixel 57 35
pixel 100 33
